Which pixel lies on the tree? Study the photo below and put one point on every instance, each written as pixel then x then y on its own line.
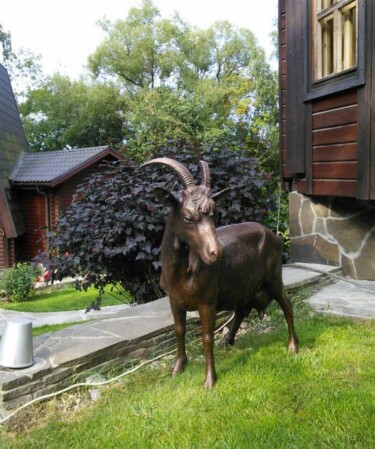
pixel 158 80
pixel 23 66
pixel 6 43
pixel 176 75
pixel 139 50
pixel 72 113
pixel 112 231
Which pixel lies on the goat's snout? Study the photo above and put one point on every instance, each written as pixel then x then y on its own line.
pixel 213 254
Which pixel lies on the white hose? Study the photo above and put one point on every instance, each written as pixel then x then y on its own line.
pixel 102 383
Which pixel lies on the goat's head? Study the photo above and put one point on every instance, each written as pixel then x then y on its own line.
pixel 193 213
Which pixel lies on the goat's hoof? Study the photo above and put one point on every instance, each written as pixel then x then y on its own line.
pixel 209 384
pixel 226 342
pixel 293 347
pixel 179 366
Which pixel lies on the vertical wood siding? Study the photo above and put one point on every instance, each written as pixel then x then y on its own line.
pixel 282 100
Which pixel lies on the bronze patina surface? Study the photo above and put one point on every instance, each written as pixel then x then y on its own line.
pixel 235 267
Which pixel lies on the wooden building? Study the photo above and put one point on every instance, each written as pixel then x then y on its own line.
pixel 35 187
pixel 327 135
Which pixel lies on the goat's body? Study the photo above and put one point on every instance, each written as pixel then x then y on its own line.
pixel 235 267
pixel 247 276
pixel 244 270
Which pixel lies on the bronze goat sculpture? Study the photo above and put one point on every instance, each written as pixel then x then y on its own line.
pixel 235 267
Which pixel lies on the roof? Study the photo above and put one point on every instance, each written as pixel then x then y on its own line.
pixel 53 167
pixel 12 144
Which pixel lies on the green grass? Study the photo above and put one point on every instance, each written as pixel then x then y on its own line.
pixel 265 398
pixel 61 299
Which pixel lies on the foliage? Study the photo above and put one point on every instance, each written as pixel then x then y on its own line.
pixel 72 113
pixel 6 43
pixel 18 283
pixel 186 83
pixel 265 397
pixel 278 221
pixel 157 79
pixel 113 230
pixel 23 66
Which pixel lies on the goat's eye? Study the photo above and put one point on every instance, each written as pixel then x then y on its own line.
pixel 188 220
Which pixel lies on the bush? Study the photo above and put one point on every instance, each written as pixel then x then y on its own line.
pixel 18 283
pixel 112 232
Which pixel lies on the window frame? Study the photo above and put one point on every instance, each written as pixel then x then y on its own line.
pixel 343 80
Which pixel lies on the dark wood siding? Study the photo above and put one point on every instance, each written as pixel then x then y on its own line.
pixel 334 145
pixel 295 108
pixel 282 70
pixel 327 142
pixel 65 191
pixel 35 216
pixel 4 253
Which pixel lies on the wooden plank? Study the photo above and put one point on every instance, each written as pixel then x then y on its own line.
pixel 365 113
pixel 283 52
pixel 308 148
pixel 335 188
pixel 339 134
pixel 283 22
pixel 282 37
pixel 283 67
pixel 283 110
pixel 340 152
pixel 295 116
pixel 335 170
pixel 336 101
pixel 283 98
pixel 336 117
pixel 371 60
pixel 283 81
pixel 300 186
pixel 282 6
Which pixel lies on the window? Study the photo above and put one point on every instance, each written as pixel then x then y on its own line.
pixel 335 37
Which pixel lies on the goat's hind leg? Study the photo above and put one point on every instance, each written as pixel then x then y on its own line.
pixel 180 332
pixel 239 315
pixel 280 296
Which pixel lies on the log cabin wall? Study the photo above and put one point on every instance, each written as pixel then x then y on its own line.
pixel 63 193
pixel 4 256
pixel 327 146
pixel 35 216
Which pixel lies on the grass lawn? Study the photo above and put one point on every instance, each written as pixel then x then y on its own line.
pixel 265 398
pixel 62 299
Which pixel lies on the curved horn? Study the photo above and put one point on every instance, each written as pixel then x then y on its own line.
pixel 205 174
pixel 182 172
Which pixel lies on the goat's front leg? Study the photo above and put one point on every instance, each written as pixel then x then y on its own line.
pixel 207 314
pixel 179 317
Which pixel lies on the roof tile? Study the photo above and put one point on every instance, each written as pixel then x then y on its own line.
pixel 49 166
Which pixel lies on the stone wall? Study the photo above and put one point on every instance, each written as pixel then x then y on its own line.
pixel 335 231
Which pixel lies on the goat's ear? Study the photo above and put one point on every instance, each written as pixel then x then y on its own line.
pixel 164 196
pixel 221 196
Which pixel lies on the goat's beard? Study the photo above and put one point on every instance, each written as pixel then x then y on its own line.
pixel 194 262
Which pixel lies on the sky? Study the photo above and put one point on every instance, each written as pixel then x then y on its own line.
pixel 65 32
